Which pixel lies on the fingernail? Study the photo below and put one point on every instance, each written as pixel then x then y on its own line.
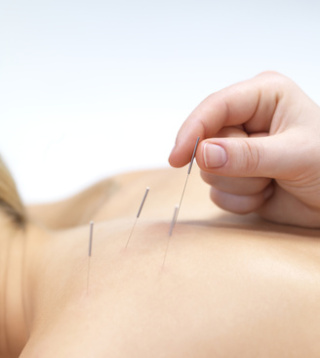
pixel 214 156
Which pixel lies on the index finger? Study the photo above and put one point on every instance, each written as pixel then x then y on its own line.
pixel 250 103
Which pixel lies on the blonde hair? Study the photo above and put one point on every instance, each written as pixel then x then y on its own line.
pixel 10 202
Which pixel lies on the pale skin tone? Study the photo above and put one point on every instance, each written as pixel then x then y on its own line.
pixel 231 285
pixel 272 163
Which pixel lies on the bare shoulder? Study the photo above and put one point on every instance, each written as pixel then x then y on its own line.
pixel 95 201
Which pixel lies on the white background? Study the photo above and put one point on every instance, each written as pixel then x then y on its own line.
pixel 93 88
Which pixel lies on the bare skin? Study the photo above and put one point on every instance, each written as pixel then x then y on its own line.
pixel 275 154
pixel 230 286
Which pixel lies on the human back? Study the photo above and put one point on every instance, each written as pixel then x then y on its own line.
pixel 230 285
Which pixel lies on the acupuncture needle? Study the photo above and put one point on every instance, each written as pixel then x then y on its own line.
pixel 89 252
pixel 173 221
pixel 185 185
pixel 138 214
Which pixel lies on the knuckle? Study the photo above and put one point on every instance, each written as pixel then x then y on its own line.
pixel 274 78
pixel 251 157
pixel 270 73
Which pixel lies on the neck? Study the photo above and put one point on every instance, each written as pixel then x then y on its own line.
pixel 15 278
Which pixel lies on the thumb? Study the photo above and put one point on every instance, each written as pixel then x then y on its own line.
pixel 276 156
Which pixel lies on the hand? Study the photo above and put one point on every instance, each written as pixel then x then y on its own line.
pixel 259 149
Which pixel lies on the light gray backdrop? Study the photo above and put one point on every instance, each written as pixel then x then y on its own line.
pixel 93 88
